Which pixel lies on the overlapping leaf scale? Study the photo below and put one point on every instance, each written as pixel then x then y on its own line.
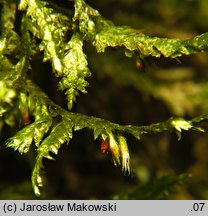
pixel 51 30
pixel 9 39
pixel 109 35
pixel 33 132
pixel 84 14
pixel 75 69
pixel 68 59
pixel 60 134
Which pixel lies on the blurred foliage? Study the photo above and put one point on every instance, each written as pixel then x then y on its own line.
pixel 137 91
pixel 157 189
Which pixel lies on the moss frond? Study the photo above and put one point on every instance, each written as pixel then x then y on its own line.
pixel 51 125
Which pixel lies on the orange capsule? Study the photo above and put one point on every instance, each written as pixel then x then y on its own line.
pixel 26 118
pixel 139 65
pixel 104 146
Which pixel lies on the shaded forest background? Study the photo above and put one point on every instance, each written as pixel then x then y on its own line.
pixel 123 92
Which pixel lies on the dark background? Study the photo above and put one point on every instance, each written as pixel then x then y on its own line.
pixel 122 93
